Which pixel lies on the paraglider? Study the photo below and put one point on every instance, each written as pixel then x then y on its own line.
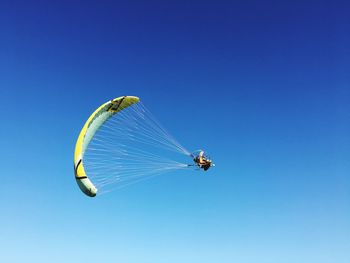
pixel 202 161
pixel 123 143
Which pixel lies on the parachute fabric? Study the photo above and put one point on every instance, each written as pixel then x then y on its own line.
pixel 122 143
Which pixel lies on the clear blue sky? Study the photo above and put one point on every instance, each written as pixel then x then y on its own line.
pixel 263 85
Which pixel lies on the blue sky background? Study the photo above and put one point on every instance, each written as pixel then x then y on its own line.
pixel 263 85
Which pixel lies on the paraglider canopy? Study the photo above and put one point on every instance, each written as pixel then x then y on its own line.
pixel 92 125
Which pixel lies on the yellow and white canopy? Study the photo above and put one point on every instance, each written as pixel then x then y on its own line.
pixel 95 121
